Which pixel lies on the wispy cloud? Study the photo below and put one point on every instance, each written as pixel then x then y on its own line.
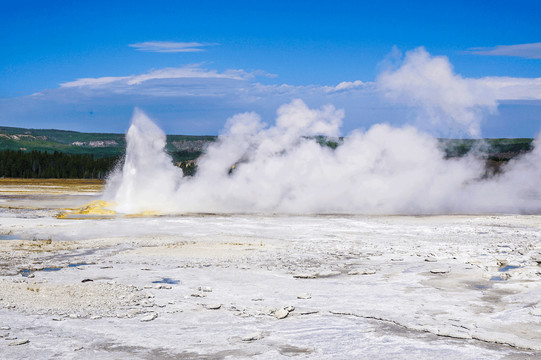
pixel 510 88
pixel 170 46
pixel 443 97
pixel 194 71
pixel 195 99
pixel 345 85
pixel 528 51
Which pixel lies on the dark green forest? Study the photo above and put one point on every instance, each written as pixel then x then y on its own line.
pixel 36 153
pixel 45 165
pixel 31 153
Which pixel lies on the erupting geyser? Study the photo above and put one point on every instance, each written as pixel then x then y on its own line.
pixel 282 169
pixel 148 177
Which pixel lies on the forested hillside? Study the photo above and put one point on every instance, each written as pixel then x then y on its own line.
pixel 37 164
pixel 31 153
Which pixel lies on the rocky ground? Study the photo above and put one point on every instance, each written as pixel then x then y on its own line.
pixel 265 287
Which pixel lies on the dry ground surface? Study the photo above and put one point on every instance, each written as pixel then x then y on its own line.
pixel 261 287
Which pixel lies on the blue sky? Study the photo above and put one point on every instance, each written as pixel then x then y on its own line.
pixel 84 65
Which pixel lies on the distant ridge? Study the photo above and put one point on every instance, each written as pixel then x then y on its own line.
pixel 97 144
pixel 185 149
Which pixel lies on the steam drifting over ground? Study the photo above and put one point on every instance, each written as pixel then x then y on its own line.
pixel 256 168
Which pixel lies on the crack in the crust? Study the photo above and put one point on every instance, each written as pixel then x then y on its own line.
pixel 472 337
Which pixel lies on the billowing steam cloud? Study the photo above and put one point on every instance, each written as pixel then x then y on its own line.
pixel 148 177
pixel 256 168
pixel 444 98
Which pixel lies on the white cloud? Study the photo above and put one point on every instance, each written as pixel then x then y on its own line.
pixel 345 85
pixel 185 72
pixel 444 98
pixel 94 82
pixel 422 79
pixel 509 88
pixel 529 51
pixel 170 46
pixel 204 98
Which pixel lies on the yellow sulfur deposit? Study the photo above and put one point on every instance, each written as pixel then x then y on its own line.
pixel 144 214
pixel 98 207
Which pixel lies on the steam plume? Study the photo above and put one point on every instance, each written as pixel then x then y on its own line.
pixel 446 99
pixel 256 168
pixel 148 177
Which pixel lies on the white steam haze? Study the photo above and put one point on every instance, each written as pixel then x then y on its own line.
pixel 254 167
pixel 445 99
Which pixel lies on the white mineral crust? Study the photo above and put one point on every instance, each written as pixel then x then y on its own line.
pixel 460 307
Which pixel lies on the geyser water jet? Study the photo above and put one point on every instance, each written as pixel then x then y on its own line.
pixel 147 178
pixel 282 169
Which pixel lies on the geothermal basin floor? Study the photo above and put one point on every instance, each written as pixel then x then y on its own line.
pixel 264 287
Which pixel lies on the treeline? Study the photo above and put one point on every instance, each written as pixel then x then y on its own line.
pixel 44 165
